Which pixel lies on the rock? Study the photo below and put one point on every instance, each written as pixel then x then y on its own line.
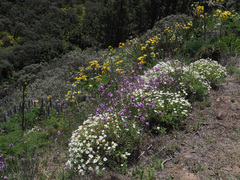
pixel 234 107
pixel 219 115
pixel 219 99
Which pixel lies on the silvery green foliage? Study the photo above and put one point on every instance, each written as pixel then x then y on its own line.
pixel 168 21
pixel 49 78
pixel 232 5
pixel 28 73
pixel 171 20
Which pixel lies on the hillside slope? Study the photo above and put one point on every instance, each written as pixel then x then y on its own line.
pixel 208 148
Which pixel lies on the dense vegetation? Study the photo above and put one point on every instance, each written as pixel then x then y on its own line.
pixel 113 98
pixel 37 31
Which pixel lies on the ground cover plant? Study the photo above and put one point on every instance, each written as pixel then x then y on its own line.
pixel 113 103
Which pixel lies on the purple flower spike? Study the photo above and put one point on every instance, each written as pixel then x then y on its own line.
pixel 58 133
pixel 117 136
pixel 34 146
pixel 10 145
pixel 5 177
pixel 108 153
pixel 147 123
pixel 110 95
pixel 142 118
pixel 23 159
pixel 106 120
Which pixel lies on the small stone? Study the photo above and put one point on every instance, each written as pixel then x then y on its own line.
pixel 234 107
pixel 219 116
pixel 218 99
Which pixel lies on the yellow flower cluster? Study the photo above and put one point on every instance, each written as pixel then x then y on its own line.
pixel 168 30
pixel 64 9
pixel 98 78
pixel 83 80
pixel 70 96
pixel 141 59
pixel 143 48
pixel 94 63
pixel 188 25
pixel 118 62
pixel 199 11
pixel 121 45
pixel 81 77
pixel 214 2
pixel 172 38
pixel 105 67
pixel 10 37
pixel 119 70
pixel 153 54
pixel 150 43
pixel 148 48
pixel 223 15
pixel 110 48
pixel 174 30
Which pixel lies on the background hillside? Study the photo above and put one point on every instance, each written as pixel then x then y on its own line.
pixel 38 31
pixel 92 89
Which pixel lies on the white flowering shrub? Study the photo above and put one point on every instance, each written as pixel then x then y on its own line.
pixel 163 108
pixel 193 81
pixel 166 76
pixel 105 140
pixel 209 70
pixel 200 76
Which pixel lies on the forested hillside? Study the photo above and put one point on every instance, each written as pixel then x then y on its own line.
pixel 37 31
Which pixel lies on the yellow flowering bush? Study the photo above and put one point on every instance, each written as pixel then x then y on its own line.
pixel 199 11
pixel 222 14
